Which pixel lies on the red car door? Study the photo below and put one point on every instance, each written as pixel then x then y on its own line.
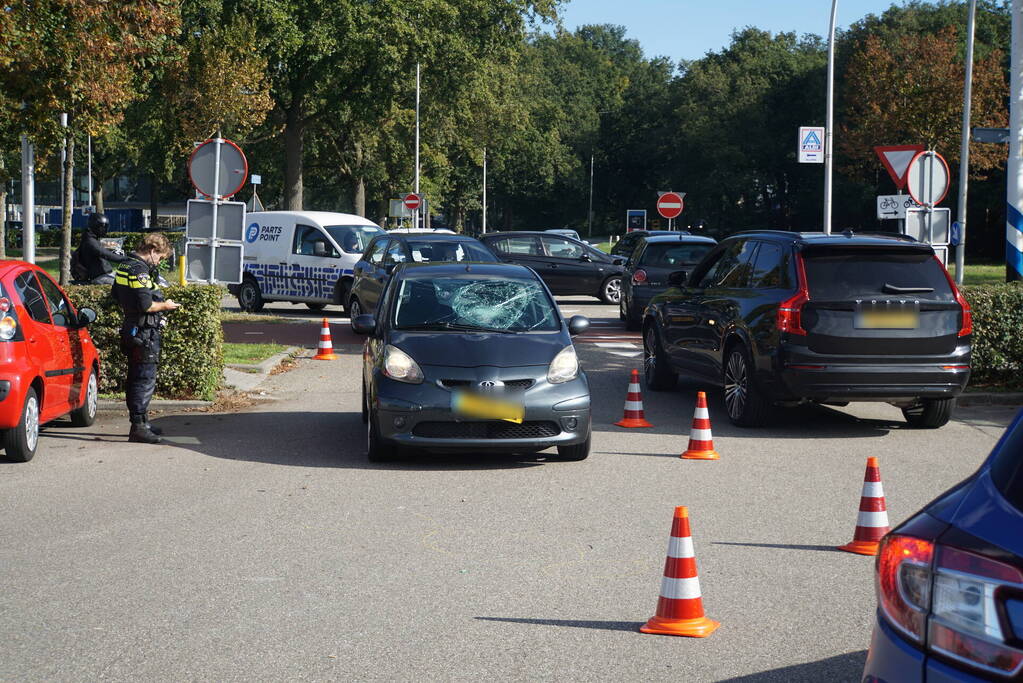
pixel 68 342
pixel 48 356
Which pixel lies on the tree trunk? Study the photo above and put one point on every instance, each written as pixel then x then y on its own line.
pixel 294 134
pixel 154 200
pixel 69 203
pixel 360 182
pixel 97 197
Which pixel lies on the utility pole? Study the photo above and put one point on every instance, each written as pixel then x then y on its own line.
pixel 1014 169
pixel 964 150
pixel 484 190
pixel 829 124
pixel 89 201
pixel 589 216
pixel 28 195
pixel 415 213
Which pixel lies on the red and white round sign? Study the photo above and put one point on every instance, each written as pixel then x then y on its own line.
pixel 669 204
pixel 412 201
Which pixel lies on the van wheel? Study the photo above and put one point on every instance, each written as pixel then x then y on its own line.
pixel 315 307
pixel 20 442
pixel 343 290
pixel 929 413
pixel 250 299
pixel 85 414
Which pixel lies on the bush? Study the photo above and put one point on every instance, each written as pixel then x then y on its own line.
pixel 192 356
pixel 997 330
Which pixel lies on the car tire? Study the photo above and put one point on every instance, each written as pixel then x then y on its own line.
pixel 365 404
pixel 376 449
pixel 632 322
pixel 85 414
pixel 20 442
pixel 929 413
pixel 657 372
pixel 344 290
pixel 354 307
pixel 315 307
pixel 250 299
pixel 575 452
pixel 611 290
pixel 745 404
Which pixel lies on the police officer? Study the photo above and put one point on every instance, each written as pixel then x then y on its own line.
pixel 93 258
pixel 136 290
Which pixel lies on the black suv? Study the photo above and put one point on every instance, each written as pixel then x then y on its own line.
pixel 783 318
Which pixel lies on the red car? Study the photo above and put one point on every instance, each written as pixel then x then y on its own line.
pixel 49 366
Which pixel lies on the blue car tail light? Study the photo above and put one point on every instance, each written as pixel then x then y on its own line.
pixel 950 602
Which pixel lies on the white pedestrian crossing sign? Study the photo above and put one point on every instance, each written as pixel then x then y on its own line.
pixel 811 145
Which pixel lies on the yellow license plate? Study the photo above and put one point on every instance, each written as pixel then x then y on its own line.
pixel 888 320
pixel 485 408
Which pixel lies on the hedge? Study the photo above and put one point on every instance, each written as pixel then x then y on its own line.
pixel 192 357
pixel 997 331
pixel 52 238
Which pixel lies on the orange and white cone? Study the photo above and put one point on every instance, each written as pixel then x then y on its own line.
pixel 680 606
pixel 872 521
pixel 634 405
pixel 701 441
pixel 325 351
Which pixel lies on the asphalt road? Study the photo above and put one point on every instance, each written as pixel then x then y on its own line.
pixel 262 544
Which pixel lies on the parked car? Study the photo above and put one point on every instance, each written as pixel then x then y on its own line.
pixel 627 244
pixel 652 261
pixel 387 251
pixel 49 366
pixel 780 317
pixel 567 266
pixel 302 257
pixel 950 581
pixel 566 232
pixel 472 357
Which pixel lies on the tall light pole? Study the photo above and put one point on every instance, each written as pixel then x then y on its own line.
pixel 829 123
pixel 589 216
pixel 484 190
pixel 415 213
pixel 28 203
pixel 1014 169
pixel 964 150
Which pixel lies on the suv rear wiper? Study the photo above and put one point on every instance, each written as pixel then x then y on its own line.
pixel 892 289
pixel 444 325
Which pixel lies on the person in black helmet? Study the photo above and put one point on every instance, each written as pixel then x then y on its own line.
pixel 93 258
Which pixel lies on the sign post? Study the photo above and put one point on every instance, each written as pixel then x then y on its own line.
pixel 635 219
pixel 811 144
pixel 214 231
pixel 895 159
pixel 670 205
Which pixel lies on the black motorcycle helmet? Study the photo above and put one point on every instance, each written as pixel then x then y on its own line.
pixel 99 224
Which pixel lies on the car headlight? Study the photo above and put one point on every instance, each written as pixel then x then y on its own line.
pixel 564 367
pixel 399 366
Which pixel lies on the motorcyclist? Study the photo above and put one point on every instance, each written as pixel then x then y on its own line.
pixel 92 257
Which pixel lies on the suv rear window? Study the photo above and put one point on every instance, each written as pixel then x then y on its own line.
pixel 1007 466
pixel 861 273
pixel 667 255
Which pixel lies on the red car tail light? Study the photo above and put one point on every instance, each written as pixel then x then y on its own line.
pixel 904 582
pixel 967 325
pixel 5 304
pixel 639 277
pixel 790 312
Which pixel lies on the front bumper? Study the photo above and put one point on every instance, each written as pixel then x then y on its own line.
pixel 420 416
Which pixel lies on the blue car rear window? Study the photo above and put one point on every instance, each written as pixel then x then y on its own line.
pixel 1007 465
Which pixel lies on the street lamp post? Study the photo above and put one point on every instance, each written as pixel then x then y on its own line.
pixel 829 123
pixel 589 216
pixel 964 150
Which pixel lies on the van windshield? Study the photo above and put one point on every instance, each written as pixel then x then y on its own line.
pixel 353 239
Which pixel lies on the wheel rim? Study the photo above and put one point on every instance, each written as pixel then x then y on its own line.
pixel 31 423
pixel 91 396
pixel 649 353
pixel 248 296
pixel 355 308
pixel 736 384
pixel 613 290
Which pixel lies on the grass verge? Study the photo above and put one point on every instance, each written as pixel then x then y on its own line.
pixel 250 354
pixel 238 317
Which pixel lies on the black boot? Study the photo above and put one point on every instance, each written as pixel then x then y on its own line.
pixel 141 433
pixel 153 428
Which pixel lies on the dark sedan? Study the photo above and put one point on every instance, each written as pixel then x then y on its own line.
pixel 386 251
pixel 568 266
pixel 627 244
pixel 651 264
pixel 472 357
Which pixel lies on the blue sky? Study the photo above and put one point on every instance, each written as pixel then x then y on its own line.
pixel 688 29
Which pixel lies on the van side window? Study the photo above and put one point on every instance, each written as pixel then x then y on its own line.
pixel 310 241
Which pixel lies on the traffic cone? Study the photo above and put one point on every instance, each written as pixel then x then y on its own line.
pixel 680 607
pixel 701 441
pixel 634 405
pixel 872 522
pixel 325 351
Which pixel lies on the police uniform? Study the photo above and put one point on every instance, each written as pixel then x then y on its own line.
pixel 135 289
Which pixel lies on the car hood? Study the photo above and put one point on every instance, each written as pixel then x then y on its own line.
pixel 472 350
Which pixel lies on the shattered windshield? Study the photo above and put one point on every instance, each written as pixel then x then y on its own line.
pixel 467 303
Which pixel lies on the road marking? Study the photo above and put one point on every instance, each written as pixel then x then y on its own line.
pixel 255 333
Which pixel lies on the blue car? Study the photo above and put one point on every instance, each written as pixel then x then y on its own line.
pixel 950 581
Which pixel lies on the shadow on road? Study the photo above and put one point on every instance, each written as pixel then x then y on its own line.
pixel 847 667
pixel 601 625
pixel 785 546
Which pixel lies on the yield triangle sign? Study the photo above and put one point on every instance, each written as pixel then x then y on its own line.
pixel 896 160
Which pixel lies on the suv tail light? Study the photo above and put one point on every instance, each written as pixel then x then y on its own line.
pixel 639 277
pixel 966 327
pixel 949 601
pixel 790 312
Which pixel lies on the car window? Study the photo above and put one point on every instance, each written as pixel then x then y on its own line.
pixel 59 307
pixel 562 248
pixel 635 255
pixel 32 297
pixel 732 269
pixel 1007 465
pixel 840 275
pixel 395 253
pixel 522 244
pixel 375 252
pixel 306 239
pixel 353 239
pixel 424 251
pixel 674 255
pixel 773 267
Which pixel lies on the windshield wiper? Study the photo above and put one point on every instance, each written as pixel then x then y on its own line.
pixel 444 325
pixel 892 289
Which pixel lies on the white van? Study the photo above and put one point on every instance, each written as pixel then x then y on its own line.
pixel 301 256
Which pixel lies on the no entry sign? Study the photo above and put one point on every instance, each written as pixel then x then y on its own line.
pixel 669 204
pixel 412 201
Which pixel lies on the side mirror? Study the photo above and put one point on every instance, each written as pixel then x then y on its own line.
pixel 678 278
pixel 364 324
pixel 319 248
pixel 578 324
pixel 389 268
pixel 618 260
pixel 86 317
pixel 585 257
